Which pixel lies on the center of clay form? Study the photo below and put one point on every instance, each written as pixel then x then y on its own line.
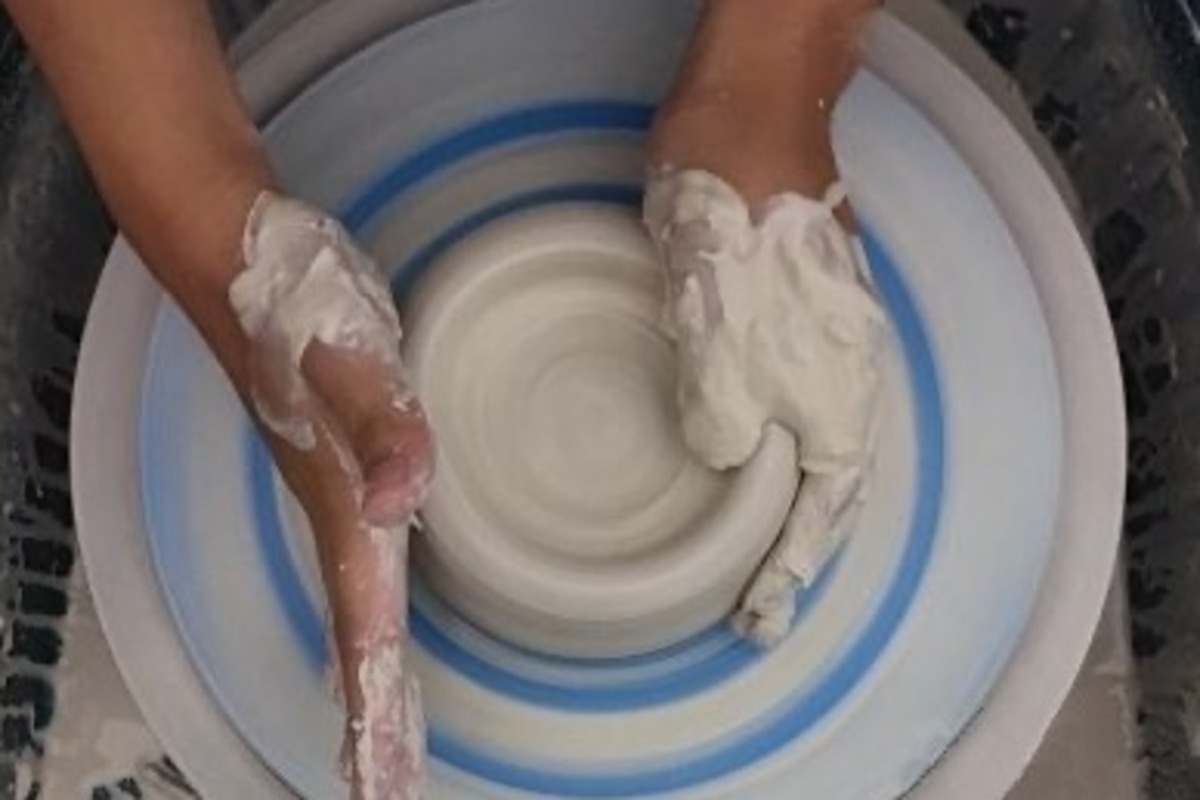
pixel 567 515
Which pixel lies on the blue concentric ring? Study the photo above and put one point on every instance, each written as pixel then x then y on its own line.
pixel 800 712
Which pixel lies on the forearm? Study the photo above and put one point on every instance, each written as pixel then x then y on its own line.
pixel 754 95
pixel 145 88
pixel 778 46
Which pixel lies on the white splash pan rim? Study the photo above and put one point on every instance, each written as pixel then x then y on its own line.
pixel 992 752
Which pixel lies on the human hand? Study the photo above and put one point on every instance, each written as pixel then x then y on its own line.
pixel 767 292
pixel 180 163
pixel 327 385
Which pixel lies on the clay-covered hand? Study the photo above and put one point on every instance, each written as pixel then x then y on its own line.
pixel 329 390
pixel 768 296
pixel 309 340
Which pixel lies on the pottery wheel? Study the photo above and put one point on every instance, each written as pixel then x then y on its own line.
pixel 571 644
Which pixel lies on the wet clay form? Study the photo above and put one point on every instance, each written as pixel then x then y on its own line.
pixel 568 603
pixel 567 514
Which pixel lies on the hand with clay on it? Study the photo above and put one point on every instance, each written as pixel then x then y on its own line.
pixel 298 317
pixel 329 390
pixel 767 292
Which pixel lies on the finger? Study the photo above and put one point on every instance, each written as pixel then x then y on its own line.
pixel 766 610
pixel 381 423
pixel 365 576
pixel 824 512
pixel 722 424
pixel 325 311
pixel 385 724
pixel 722 421
pixel 388 738
pixel 819 521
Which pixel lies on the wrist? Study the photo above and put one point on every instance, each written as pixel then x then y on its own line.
pixel 763 135
pixel 196 253
pixel 202 234
pixel 759 157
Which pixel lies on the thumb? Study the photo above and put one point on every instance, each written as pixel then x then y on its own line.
pixel 824 512
pixel 382 425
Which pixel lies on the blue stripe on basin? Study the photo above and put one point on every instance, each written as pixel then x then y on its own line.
pixel 794 717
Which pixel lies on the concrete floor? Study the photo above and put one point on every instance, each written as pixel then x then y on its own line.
pixel 1092 750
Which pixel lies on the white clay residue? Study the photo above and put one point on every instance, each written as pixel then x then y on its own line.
pixel 568 515
pixel 775 321
pixel 390 752
pixel 305 281
pixel 389 731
